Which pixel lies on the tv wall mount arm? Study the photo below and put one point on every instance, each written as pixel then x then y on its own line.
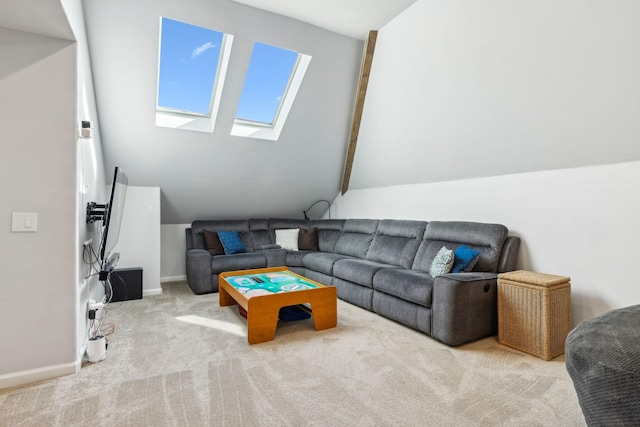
pixel 95 212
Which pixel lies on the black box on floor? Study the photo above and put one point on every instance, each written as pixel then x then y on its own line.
pixel 126 284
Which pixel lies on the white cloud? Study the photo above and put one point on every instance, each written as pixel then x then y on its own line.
pixel 201 49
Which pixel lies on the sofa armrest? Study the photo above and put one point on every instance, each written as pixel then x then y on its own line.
pixel 464 307
pixel 268 246
pixel 189 237
pixel 198 264
pixel 509 256
pixel 276 256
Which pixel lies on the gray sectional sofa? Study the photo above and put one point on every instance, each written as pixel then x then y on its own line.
pixel 380 265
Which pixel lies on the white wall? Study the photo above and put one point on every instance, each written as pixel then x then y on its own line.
pixel 45 90
pixel 139 239
pixel 38 271
pixel 91 181
pixel 174 247
pixel 464 88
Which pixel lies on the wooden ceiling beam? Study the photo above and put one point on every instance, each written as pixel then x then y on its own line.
pixel 365 70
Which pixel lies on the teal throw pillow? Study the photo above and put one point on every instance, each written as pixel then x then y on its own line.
pixel 465 259
pixel 442 263
pixel 231 242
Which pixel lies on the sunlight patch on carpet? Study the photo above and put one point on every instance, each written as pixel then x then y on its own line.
pixel 220 325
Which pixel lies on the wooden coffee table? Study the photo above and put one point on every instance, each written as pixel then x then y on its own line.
pixel 263 292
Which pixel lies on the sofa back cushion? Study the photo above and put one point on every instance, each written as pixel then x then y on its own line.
pixel 259 229
pixel 356 237
pixel 396 242
pixel 329 231
pixel 239 225
pixel 487 239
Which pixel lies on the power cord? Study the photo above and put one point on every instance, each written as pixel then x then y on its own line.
pixel 304 212
pixel 90 258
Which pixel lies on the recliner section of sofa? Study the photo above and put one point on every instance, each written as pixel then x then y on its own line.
pixel 380 265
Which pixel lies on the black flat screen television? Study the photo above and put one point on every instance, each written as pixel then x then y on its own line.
pixel 112 221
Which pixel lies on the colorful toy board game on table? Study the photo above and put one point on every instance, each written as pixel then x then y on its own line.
pixel 269 283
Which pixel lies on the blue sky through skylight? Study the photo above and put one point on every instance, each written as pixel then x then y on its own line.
pixel 265 84
pixel 189 58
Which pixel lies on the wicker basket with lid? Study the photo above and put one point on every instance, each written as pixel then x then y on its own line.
pixel 534 312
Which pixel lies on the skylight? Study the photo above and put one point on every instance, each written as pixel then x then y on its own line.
pixel 271 84
pixel 192 66
pixel 267 80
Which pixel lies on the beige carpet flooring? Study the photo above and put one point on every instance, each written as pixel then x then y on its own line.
pixel 179 359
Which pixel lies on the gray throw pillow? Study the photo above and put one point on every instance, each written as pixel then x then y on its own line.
pixel 442 263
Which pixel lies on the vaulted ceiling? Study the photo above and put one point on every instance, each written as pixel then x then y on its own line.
pixel 216 175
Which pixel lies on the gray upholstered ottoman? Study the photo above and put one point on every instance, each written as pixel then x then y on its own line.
pixel 603 360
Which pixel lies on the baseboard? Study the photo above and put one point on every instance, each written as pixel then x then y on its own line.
pixel 149 292
pixel 40 374
pixel 173 279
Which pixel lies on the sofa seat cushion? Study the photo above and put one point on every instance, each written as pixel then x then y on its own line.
pixel 322 261
pixel 235 262
pixel 294 258
pixel 410 285
pixel 358 271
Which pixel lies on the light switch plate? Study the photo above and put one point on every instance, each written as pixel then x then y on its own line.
pixel 24 222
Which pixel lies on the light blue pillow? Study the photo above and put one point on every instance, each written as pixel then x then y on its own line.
pixel 231 242
pixel 442 263
pixel 465 259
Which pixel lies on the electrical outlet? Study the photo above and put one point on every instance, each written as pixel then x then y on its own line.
pixel 94 309
pixel 95 305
